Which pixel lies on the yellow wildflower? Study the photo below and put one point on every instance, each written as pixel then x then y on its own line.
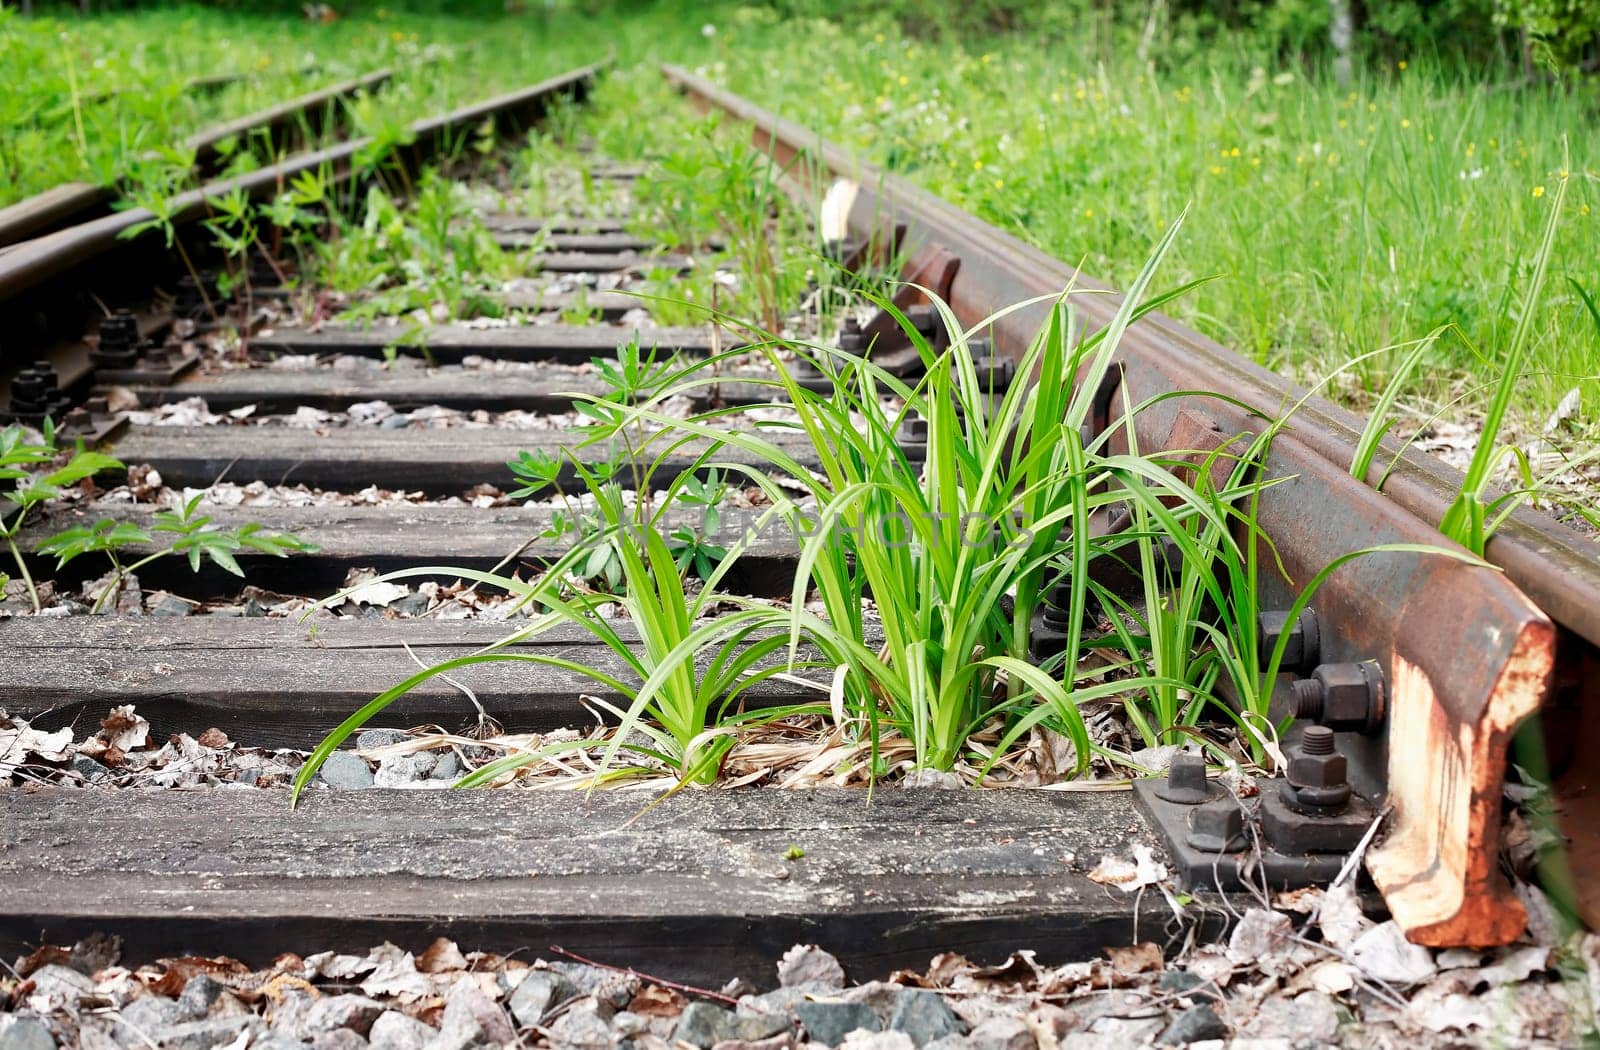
pixel 1402 63
pixel 1405 122
pixel 904 80
pixel 977 165
pixel 1538 191
pixel 999 184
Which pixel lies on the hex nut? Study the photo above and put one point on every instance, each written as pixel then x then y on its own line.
pixel 1186 782
pixel 1352 696
pixel 1304 647
pixel 1317 770
pixel 1217 826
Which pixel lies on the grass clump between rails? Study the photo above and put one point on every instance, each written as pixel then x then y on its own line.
pixel 995 514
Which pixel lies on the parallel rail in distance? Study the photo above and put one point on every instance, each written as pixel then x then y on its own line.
pixel 30 263
pixel 1460 684
pixel 77 201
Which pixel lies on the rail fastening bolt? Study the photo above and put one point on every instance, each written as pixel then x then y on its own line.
pixel 1344 697
pixel 1304 647
pixel 1186 782
pixel 1217 826
pixel 1316 780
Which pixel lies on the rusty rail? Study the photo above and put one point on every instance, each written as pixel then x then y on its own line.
pixel 1460 683
pixel 76 201
pixel 32 262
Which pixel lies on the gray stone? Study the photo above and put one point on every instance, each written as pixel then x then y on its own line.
pixel 807 964
pixel 472 1020
pixel 399 1031
pixel 880 995
pixel 346 771
pixel 394 1030
pixel 923 1016
pixel 401 770
pixel 339 1039
pixel 448 767
pixel 25 1033
pixel 1309 1019
pixel 203 1035
pixel 199 992
pixel 953 1042
pixel 62 985
pixel 1193 1025
pixel 167 605
pixel 586 1026
pixel 145 1016
pixel 829 1021
pixel 615 988
pixel 704 1025
pixel 753 1028
pixel 629 1024
pixel 372 739
pixel 1186 983
pixel 355 1012
pixel 539 993
pixel 91 771
pixel 997 1033
pixel 860 1040
pixel 410 605
pixel 786 1041
pixel 780 1001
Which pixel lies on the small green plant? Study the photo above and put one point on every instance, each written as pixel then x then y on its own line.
pixel 19 458
pixel 684 672
pixel 183 532
pixel 579 310
pixel 436 252
pixel 691 545
pixel 718 194
pixel 1474 516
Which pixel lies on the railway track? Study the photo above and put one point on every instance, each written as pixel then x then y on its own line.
pixel 298 441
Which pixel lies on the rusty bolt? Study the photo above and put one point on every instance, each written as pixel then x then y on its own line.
pixel 1305 639
pixel 1347 698
pixel 1317 772
pixel 1186 781
pixel 1217 826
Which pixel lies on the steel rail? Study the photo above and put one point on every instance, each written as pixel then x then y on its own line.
pixel 61 205
pixel 28 264
pixel 1469 653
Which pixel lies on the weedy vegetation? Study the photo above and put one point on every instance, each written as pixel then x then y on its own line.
pixel 184 532
pixel 950 548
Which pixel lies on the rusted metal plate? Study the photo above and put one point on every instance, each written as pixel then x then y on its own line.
pixel 1469 656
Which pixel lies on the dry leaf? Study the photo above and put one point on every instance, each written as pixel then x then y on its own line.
pixel 655 1001
pixel 442 956
pixel 1139 958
